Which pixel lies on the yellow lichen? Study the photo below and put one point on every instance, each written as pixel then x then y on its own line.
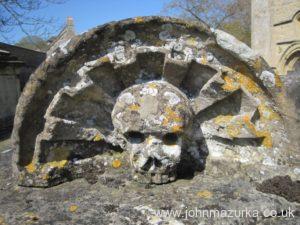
pixel 177 128
pixel 57 164
pixel 31 167
pixel 152 85
pixel 247 83
pixel 116 163
pixel 205 194
pixel 223 120
pixel 278 82
pixel 192 41
pixel 233 130
pixel 165 122
pixel 267 114
pixel 267 142
pixel 97 137
pixel 234 127
pixel 172 116
pixel 138 20
pixel 234 80
pixel 134 107
pixel 203 59
pixel 230 85
pixel 73 208
pixel 104 59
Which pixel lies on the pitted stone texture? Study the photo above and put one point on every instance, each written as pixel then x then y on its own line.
pixel 161 76
pixel 155 106
pixel 151 119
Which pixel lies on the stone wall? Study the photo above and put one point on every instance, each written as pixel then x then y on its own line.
pixel 276 32
pixel 276 36
pixel 16 65
pixel 9 94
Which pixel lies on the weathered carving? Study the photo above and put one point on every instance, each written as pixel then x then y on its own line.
pixel 151 119
pixel 159 93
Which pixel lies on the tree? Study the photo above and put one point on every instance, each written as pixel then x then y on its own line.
pixel 34 43
pixel 233 16
pixel 19 14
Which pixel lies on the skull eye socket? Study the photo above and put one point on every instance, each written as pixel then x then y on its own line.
pixel 135 137
pixel 170 139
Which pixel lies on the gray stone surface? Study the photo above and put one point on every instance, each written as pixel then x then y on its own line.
pixel 181 79
pixel 129 105
pixel 116 199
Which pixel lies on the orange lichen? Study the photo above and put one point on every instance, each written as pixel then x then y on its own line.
pixel 177 128
pixel 172 116
pixel 235 79
pixel 73 208
pixel 267 142
pixel 134 107
pixel 247 83
pixel 116 163
pixel 31 167
pixel 165 122
pixel 230 85
pixel 97 137
pixel 205 194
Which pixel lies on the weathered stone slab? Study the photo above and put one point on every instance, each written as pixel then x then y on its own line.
pixel 157 98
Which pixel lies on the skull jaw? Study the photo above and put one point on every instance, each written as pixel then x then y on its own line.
pixel 154 178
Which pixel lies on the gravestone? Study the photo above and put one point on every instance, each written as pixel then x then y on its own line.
pixel 148 99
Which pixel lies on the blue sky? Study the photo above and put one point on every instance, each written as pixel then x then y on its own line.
pixel 90 13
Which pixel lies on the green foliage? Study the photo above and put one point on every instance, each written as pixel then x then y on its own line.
pixel 34 43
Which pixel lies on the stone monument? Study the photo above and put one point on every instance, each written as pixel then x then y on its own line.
pixel 145 117
pixel 154 96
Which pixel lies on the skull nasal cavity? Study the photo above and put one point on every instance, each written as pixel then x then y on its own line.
pixel 135 137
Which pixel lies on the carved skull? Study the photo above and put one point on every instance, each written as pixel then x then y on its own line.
pixel 150 119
